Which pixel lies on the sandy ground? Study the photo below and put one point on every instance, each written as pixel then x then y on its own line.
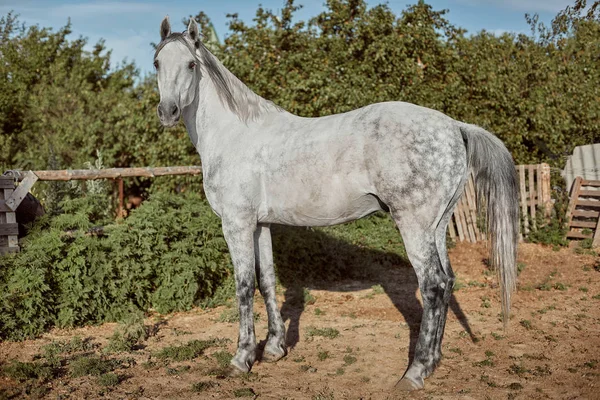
pixel 551 350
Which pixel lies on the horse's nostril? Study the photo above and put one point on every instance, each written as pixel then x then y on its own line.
pixel 174 110
pixel 160 111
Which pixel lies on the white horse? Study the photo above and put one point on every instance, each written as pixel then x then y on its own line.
pixel 262 165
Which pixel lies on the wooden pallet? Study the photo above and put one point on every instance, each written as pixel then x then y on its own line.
pixel 9 229
pixel 584 211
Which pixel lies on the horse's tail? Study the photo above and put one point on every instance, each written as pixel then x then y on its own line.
pixel 497 194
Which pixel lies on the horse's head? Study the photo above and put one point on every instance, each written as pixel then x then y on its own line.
pixel 177 70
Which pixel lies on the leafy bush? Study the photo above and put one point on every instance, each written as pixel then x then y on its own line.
pixel 168 255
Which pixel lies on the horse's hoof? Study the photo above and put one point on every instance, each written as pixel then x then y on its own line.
pixel 407 385
pixel 233 371
pixel 271 357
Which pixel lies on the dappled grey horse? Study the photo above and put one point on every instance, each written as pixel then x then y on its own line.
pixel 262 165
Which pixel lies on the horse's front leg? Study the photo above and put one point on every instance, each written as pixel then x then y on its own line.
pixel 239 235
pixel 265 275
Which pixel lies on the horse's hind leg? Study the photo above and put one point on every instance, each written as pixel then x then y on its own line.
pixel 265 275
pixel 435 282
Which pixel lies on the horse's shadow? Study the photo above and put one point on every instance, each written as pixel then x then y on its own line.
pixel 320 261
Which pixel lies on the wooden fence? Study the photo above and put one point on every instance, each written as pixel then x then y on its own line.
pixel 534 194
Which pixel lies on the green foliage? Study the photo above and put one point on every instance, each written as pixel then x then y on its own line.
pixel 188 351
pixel 168 255
pixel 129 334
pixel 23 371
pixel 108 379
pixel 330 333
pixel 553 231
pixel 91 365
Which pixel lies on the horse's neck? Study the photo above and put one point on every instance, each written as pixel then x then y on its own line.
pixel 210 120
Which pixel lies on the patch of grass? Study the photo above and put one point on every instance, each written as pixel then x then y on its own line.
pixel 232 315
pixel 520 267
pixel 23 371
pixel 223 358
pixel 365 379
pixel 202 386
pixel 546 309
pixel 518 370
pixel 340 371
pixel 244 392
pixel 323 355
pixel 525 323
pixel 324 394
pixel 330 333
pixel 377 289
pixel 349 360
pixel 91 365
pixel 309 299
pixel 583 289
pixel 550 338
pixel 484 363
pixel 515 386
pixel 458 284
pixel 188 351
pixel 590 364
pixel 456 350
pixel 108 380
pixel 318 311
pixel 476 284
pixel 178 370
pixel 299 359
pixel 489 353
pixel 485 302
pixel 485 378
pixel 560 286
pixel 596 296
pixel 541 371
pixel 129 334
pixel 537 357
pixel 497 336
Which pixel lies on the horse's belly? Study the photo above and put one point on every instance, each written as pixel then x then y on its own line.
pixel 332 208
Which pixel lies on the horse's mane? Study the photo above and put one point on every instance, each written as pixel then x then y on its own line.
pixel 232 92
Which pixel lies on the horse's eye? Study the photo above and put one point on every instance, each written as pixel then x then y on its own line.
pixel 192 65
pixel 156 64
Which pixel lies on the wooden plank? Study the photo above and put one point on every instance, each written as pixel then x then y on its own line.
pixel 583 224
pixel 589 193
pixel 573 201
pixel 21 191
pixel 451 229
pixel 577 235
pixel 3 207
pixel 459 226
pixel 590 183
pixel 523 200
pixel 587 203
pixel 596 238
pixel 7 182
pixel 586 213
pixel 9 229
pixel 532 196
pixel 463 220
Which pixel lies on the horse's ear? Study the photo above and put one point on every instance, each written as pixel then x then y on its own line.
pixel 165 28
pixel 193 30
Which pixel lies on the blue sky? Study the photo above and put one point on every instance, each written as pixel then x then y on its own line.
pixel 128 27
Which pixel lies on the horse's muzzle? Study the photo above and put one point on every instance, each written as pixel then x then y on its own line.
pixel 168 114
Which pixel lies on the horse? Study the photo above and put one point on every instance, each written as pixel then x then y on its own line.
pixel 262 165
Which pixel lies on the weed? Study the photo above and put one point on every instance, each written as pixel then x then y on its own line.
pixel 324 394
pixel 484 363
pixel 590 364
pixel 109 379
pixel 377 289
pixel 583 289
pixel 559 286
pixel 520 267
pixel 485 378
pixel 178 370
pixel 309 299
pixel 525 323
pixel 456 350
pixel 91 365
pixel 515 386
pixel 349 360
pixel 340 371
pixel 330 333
pixel 497 336
pixel 129 334
pixel 299 359
pixel 596 296
pixel 223 358
pixel 23 371
pixel 485 302
pixel 188 351
pixel 318 311
pixel 541 371
pixel 489 353
pixel 518 370
pixel 244 392
pixel 323 355
pixel 232 315
pixel 458 284
pixel 202 386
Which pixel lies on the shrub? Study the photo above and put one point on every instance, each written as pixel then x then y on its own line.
pixel 168 255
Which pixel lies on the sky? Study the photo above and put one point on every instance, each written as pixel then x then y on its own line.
pixel 128 27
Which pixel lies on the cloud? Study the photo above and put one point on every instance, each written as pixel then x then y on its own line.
pixel 532 6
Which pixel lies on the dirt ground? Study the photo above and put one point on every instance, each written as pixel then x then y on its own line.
pixel 551 350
